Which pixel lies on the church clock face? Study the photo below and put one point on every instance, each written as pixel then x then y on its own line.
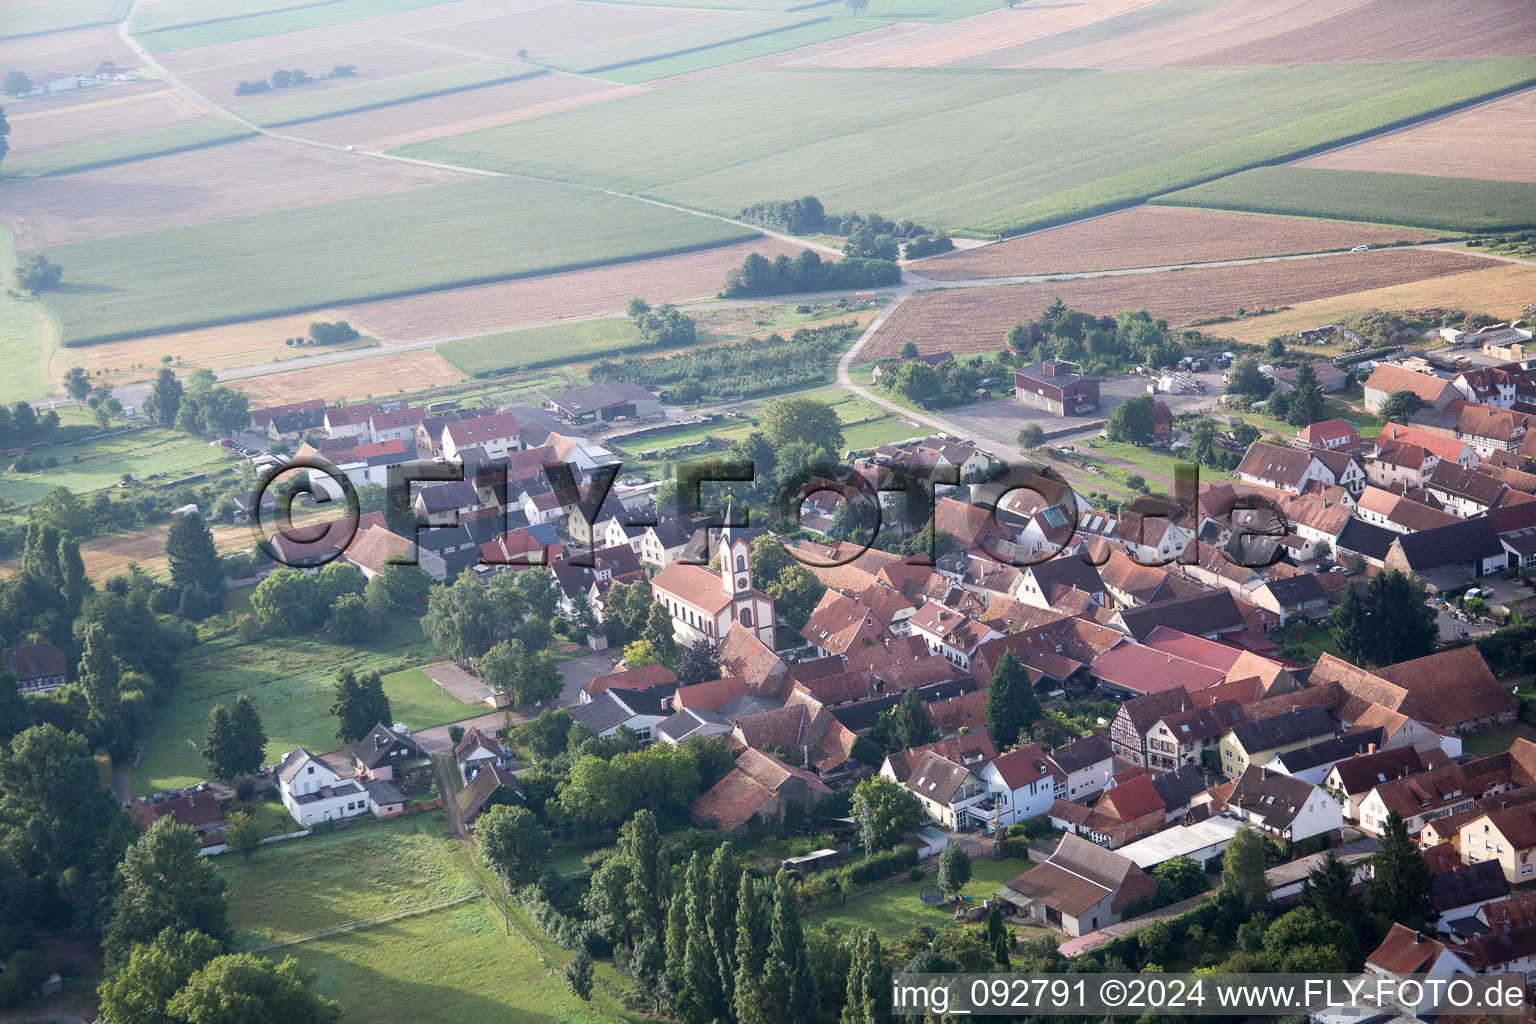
pixel 741 583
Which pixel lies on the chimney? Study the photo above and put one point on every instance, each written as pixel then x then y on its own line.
pixel 1295 708
pixel 1416 938
pixel 1370 748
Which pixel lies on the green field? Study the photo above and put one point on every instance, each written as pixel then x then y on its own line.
pixel 289 679
pixel 155 142
pixel 742 49
pixel 291 106
pixel 21 338
pixel 38 18
pixel 1156 15
pixel 555 345
pixel 893 913
pixel 147 454
pixel 982 152
pixel 180 24
pixel 355 873
pixel 356 250
pixel 687 38
pixel 1410 200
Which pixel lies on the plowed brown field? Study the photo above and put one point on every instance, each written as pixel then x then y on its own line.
pixel 970 37
pixel 374 59
pixel 235 180
pixel 1157 236
pixel 976 319
pixel 459 112
pixel 79 50
pixel 487 307
pixel 558 27
pixel 1494 140
pixel 98 114
pixel 359 379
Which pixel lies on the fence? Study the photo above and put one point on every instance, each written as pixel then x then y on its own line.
pixel 349 926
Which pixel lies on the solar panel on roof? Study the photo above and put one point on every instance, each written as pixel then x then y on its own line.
pixel 1055 518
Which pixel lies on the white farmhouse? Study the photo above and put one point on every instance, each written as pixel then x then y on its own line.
pixel 313 792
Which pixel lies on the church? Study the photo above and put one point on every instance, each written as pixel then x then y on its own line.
pixel 704 603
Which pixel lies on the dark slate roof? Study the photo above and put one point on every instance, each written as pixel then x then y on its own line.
pixel 1083 753
pixel 1197 614
pixel 487 781
pixel 1274 798
pixel 1466 884
pixel 1287 727
pixel 1178 788
pixel 1336 749
pixel 445 497
pixel 614 707
pixel 1368 539
pixel 35 661
pixel 861 714
pixel 1451 544
pixel 382 792
pixel 379 745
pixel 604 395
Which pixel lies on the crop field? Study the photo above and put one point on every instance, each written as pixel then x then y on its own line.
pixel 358 872
pixel 371 95
pixel 375 60
pixel 82 48
pixel 57 15
pixel 1448 204
pixel 1500 290
pixel 1160 13
pixel 241 179
pixel 347 251
pixel 976 319
pixel 433 118
pixel 147 454
pixel 780 58
pixel 555 345
pixel 226 346
pixel 125 109
pixel 1492 140
pixel 178 138
pixel 289 678
pixel 377 375
pixel 725 142
pixel 666 42
pixel 558 27
pixel 191 30
pixel 975 37
pixel 770 47
pixel 24 343
pixel 1158 236
pixel 531 300
pixel 105 557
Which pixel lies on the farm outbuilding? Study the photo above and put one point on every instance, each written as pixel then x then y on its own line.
pixel 606 402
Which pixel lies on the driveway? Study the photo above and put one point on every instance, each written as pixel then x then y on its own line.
pixel 578 672
pixel 455 680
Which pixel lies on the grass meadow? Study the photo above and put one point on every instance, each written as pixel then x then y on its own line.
pixel 1410 200
pixel 894 912
pixel 555 345
pixel 24 350
pixel 148 453
pixel 182 24
pixel 57 15
pixel 289 679
pixel 983 152
pixel 292 106
pixel 356 250
pixel 155 142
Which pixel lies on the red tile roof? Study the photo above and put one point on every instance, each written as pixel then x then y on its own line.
pixel 710 695
pixel 1405 951
pixel 631 679
pixel 1135 798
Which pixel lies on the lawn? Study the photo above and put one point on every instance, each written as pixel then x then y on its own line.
pixel 555 345
pixel 148 454
pixel 23 348
pixel 984 152
pixel 289 679
pixel 45 16
pixel 357 250
pixel 180 24
pixel 1410 200
pixel 894 912
pixel 353 873
pixel 156 142
pixel 1147 460
pixel 1498 741
pixel 290 106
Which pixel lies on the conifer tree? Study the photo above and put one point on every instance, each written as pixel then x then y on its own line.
pixel 360 704
pixel 1012 705
pixel 1400 889
pixel 221 748
pixel 193 558
pixel 753 998
pixel 250 736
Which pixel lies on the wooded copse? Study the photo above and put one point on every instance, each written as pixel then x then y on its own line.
pixel 807 272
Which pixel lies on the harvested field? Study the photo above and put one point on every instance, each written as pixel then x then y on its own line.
pixel 385 92
pixel 1493 140
pixel 213 348
pixel 82 48
pixel 751 47
pixel 688 38
pixel 254 24
pixel 239 179
pixel 378 375
pixel 440 116
pixel 1252 32
pixel 42 16
pixel 972 37
pixel 105 557
pixel 176 138
pixel 560 26
pixel 1158 236
pixel 374 59
pixel 119 110
pixel 976 319
pixel 487 307
pixel 1500 290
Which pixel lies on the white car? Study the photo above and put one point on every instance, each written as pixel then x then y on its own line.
pixel 1361 248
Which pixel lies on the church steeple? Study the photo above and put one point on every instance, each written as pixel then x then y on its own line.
pixel 735 557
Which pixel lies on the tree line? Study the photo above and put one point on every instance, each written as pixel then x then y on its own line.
pixel 284 78
pixel 745 367
pixel 807 272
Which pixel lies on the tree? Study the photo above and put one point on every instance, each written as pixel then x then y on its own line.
pixel 754 999
pixel 349 620
pixel 1242 869
pixel 99 674
pixel 907 725
pixel 77 383
pixel 1321 549
pixel 700 997
pixel 1131 421
pixel 797 418
pixel 288 600
pixel 954 868
pixel 788 956
pixel 999 939
pixel 1349 626
pixel 16 83
pixel 220 747
pixel 138 992
pixel 247 989
pixel 194 561
pixel 658 632
pixel 640 654
pixel 1179 878
pixel 164 882
pixel 1306 398
pixel 1390 623
pixel 856 7
pixel 1246 379
pixel 250 751
pixel 1328 890
pixel 698 663
pixel 1400 888
pixel 37 273
pixel 511 841
pixel 1012 705
pixel 869 983
pixel 360 704
pixel 891 809
pixel 1274 348
pixel 500 666
pixel 243 834
pixel 1031 436
pixel 549 734
pixel 164 399
pixel 1400 406
pixel 1304 941
pixel 908 350
pixel 919 383
pixel 578 974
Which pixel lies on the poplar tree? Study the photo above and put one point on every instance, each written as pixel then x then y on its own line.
pixel 787 953
pixel 869 983
pixel 724 878
pixel 753 998
pixel 699 998
pixel 641 842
